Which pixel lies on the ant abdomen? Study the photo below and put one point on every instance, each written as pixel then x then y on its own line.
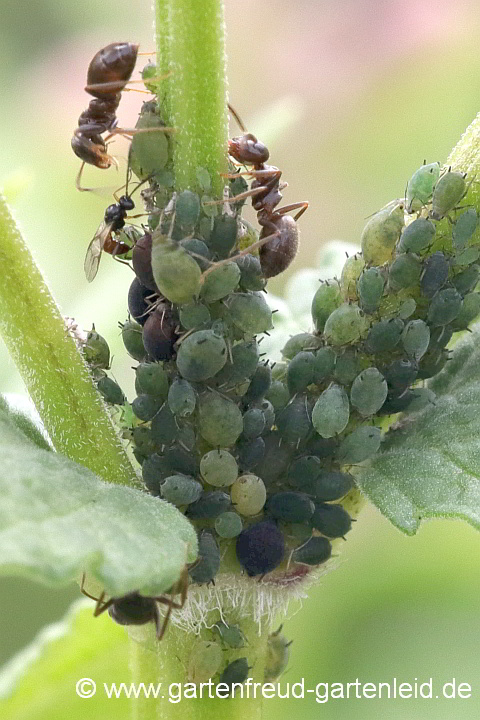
pixel 277 254
pixel 110 69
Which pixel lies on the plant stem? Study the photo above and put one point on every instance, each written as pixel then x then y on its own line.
pixel 465 157
pixel 52 368
pixel 191 44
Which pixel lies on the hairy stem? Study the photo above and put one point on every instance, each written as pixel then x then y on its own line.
pixel 53 370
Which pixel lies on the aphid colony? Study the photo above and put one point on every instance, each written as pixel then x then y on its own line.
pixel 256 455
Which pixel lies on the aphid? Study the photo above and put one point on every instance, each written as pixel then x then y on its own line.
pixel 235 673
pixel 469 311
pixel 132 339
pixel 370 286
pixel 194 315
pixel 136 609
pixel 291 507
pixel 142 262
pixel 468 256
pixel 145 407
pixel 303 472
pixel 464 228
pixel 332 485
pixel 417 236
pixel 331 411
pixel 251 275
pixel 324 364
pixel 435 274
pixel 204 661
pixel 198 250
pixel 260 548
pixel 299 342
pixel 300 372
pixel 348 365
pixel 400 374
pixel 181 398
pixel 159 332
pixel 276 458
pixel 294 421
pixel 369 391
pixel 253 423
pixel 248 494
pixel 382 232
pixel 231 635
pixel 420 186
pixel 152 379
pixel 331 520
pixel 201 355
pixel 432 362
pixel 278 655
pixel 352 269
pixel 220 420
pixel 228 525
pixel 250 454
pixel 140 300
pixel 175 271
pixel 449 190
pixel 259 384
pixel 416 338
pixel 384 336
pixel 327 298
pixel 315 551
pixel 405 271
pixel 164 427
pixel 210 505
pixel 360 445
pixel 445 307
pixel 181 490
pixel 250 313
pixel 96 350
pixel 111 391
pixel 345 325
pixel 278 395
pixel 222 281
pixel 223 236
pixel 219 468
pixel 208 563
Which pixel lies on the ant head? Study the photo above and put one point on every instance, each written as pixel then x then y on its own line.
pixel 247 149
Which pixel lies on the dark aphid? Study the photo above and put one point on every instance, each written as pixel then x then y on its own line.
pixel 322 448
pixel 181 461
pixel 445 307
pixel 96 351
pixel 199 251
pixel 248 494
pixel 300 372
pixel 276 458
pixel 400 374
pixel 295 507
pixel 259 384
pixel 250 453
pixel 181 398
pixel 384 336
pixel 154 471
pixel 111 391
pixel 260 548
pixel 278 395
pixel 360 445
pixel 315 551
pixel 245 357
pixel 431 363
pixel 181 490
pixel 370 286
pixel 278 253
pixel 469 311
pixel 145 407
pixel 228 525
pixel 133 340
pixel 417 236
pixel 416 339
pixel 164 427
pixel 253 423
pixel 294 421
pixel 251 274
pixel 299 343
pixel 139 301
pixel 331 485
pixel 405 272
pixel 345 325
pixel 278 655
pixel 204 661
pixel 331 411
pixel 352 269
pixel 250 313
pixel 440 337
pixel 466 280
pixel 435 274
pixel 464 228
pixel 331 520
pixel 231 635
pixel 210 505
pixel 208 563
pixel 449 190
pixel 223 236
pixel 324 364
pixel 142 262
pixel 382 232
pixel 327 298
pixel 151 379
pixel 144 442
pixel 220 421
pixel 159 332
pixel 395 404
pixel 369 391
pixel 235 673
pixel 303 472
pixel 420 186
pixel 219 468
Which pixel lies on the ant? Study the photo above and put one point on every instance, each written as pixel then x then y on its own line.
pixel 136 609
pixel 108 73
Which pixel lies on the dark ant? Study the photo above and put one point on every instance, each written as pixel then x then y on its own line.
pixel 108 73
pixel 136 609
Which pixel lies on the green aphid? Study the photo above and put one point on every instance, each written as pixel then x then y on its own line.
pixel 294 422
pixel 332 485
pixel 250 313
pixel 327 298
pixel 464 227
pixel 290 507
pixel 278 395
pixel 259 384
pixel 345 325
pixel 444 307
pixel 370 287
pixel 201 355
pixel 96 351
pixel 405 272
pixel 151 379
pixel 220 421
pixel 251 274
pixel 245 359
pixel 331 411
pixel 422 398
pixel 204 662
pixel 360 445
pixel 208 564
pixel 203 178
pixel 303 472
pixel 466 257
pixel 176 273
pixel 194 315
pixel 145 407
pixel 133 340
pixel 148 150
pixel 384 336
pixel 300 342
pixel 435 274
pixel 228 525
pixel 253 423
pixel 420 187
pixel 382 232
pixel 416 339
pixel 149 77
pixel 238 185
pixel 209 210
pixel 369 391
pixel 248 494
pixel 417 236
pixel 469 311
pixel 111 391
pixel 223 236
pixel 181 398
pixel 347 367
pixel 231 635
pixel 407 308
pixel 449 190
pixel 187 209
pixel 300 372
pixel 235 673
pixel 331 520
pixel 219 468
pixel 164 427
pixel 352 269
pixel 198 250
pixel 278 655
pixel 181 490
pixel 315 551
pixel 221 281
pixel 279 371
pixel 325 359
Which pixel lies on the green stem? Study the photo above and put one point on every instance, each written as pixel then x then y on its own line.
pixel 465 157
pixel 53 370
pixel 191 43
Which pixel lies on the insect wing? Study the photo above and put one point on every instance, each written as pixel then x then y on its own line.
pixel 95 249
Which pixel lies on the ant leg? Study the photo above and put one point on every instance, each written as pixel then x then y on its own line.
pixel 237 117
pixel 254 246
pixel 83 591
pixel 78 185
pixel 241 196
pixel 135 131
pixel 288 208
pixel 102 605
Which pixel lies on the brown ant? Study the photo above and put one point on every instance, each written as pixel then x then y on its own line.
pixel 136 609
pixel 108 73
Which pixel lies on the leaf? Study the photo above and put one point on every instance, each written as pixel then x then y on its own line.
pixel 430 466
pixel 39 683
pixel 32 428
pixel 58 519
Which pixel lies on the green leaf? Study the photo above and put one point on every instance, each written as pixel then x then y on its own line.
pixel 58 519
pixel 430 465
pixel 39 683
pixel 34 431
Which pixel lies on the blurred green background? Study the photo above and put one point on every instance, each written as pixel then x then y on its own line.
pixel 350 97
